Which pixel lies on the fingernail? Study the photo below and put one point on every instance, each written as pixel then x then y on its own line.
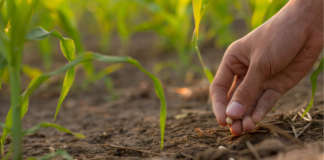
pixel 236 128
pixel 235 110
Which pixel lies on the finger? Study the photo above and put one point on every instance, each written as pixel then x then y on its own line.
pixel 248 124
pixel 264 105
pixel 246 95
pixel 236 82
pixel 286 79
pixel 230 66
pixel 218 91
pixel 236 128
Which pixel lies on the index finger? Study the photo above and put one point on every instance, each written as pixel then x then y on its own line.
pixel 219 89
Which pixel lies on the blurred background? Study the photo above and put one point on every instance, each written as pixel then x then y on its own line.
pixel 156 32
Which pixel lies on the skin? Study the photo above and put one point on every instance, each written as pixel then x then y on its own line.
pixel 259 68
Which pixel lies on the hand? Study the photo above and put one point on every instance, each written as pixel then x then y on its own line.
pixel 259 68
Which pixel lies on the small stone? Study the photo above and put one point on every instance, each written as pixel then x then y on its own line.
pixel 222 148
pixel 52 149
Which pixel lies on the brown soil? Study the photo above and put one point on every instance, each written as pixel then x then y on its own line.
pixel 128 128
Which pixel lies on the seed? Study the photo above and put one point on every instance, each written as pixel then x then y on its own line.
pixel 229 120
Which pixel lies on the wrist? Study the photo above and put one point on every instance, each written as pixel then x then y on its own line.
pixel 310 12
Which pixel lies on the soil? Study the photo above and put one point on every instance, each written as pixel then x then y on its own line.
pixel 124 124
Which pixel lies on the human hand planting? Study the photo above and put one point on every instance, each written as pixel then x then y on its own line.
pixel 263 65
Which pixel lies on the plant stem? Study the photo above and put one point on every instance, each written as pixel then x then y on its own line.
pixel 207 72
pixel 14 67
pixel 199 54
pixel 14 72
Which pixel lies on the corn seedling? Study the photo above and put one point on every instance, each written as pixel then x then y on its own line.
pixel 199 7
pixel 15 19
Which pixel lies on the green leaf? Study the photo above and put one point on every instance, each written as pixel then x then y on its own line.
pixel 107 71
pixel 68 48
pixel 313 79
pixel 31 72
pixel 67 45
pixel 67 84
pixel 68 24
pixel 37 34
pixel 198 7
pixel 208 74
pixel 33 85
pixel 52 125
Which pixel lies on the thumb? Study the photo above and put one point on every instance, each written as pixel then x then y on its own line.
pixel 246 95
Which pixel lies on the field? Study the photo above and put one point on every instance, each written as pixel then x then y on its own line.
pixel 115 111
pixel 128 127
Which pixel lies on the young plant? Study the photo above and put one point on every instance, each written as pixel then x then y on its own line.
pixel 199 8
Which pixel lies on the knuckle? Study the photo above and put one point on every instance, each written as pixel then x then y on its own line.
pixel 233 48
